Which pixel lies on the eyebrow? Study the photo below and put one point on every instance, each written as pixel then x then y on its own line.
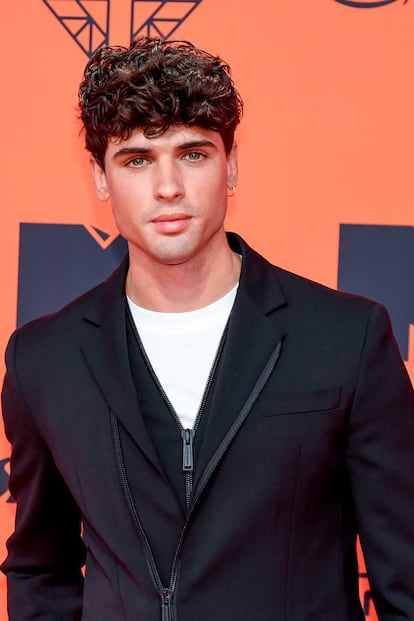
pixel 191 144
pixel 197 143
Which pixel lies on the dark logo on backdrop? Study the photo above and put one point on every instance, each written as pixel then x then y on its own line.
pixel 360 4
pixel 378 262
pixel 4 478
pixel 88 23
pixel 59 262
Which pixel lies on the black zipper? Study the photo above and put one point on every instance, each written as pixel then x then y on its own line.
pixel 187 435
pixel 167 605
pixel 167 595
pixel 149 556
pixel 220 452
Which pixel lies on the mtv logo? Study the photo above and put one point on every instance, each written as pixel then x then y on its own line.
pixel 89 22
pixel 378 262
pixel 58 262
pixel 4 478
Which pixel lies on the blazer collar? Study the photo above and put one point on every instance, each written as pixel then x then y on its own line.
pixel 106 353
pixel 258 279
pixel 252 335
pixel 254 330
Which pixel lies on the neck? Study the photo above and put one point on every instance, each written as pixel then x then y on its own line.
pixel 183 287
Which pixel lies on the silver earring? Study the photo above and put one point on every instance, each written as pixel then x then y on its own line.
pixel 232 189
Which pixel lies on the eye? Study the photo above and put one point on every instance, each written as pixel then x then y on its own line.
pixel 137 162
pixel 194 156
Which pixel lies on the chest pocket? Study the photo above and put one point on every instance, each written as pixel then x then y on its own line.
pixel 281 403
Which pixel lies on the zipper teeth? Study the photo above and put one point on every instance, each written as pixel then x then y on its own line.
pixel 151 369
pixel 260 384
pixel 188 476
pixel 132 509
pixel 159 385
pixel 258 387
pixel 211 376
pixel 188 488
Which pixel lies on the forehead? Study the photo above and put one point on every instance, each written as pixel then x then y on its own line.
pixel 175 137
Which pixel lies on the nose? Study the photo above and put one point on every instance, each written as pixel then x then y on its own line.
pixel 168 182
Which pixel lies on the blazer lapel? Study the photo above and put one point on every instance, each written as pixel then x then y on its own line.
pixel 106 354
pixel 253 334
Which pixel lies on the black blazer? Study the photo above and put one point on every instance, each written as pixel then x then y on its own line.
pixel 309 441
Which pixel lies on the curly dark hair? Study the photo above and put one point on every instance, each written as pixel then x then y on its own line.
pixel 154 84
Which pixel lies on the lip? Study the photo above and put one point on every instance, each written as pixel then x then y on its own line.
pixel 171 217
pixel 171 223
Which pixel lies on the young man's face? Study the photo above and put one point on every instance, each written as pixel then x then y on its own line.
pixel 169 194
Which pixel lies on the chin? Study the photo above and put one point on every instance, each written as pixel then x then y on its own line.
pixel 175 252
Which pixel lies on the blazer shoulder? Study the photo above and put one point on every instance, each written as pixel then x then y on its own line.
pixel 267 282
pixel 304 305
pixel 301 289
pixel 60 325
pixel 332 317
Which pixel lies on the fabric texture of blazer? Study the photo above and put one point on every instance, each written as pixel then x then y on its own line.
pixel 309 440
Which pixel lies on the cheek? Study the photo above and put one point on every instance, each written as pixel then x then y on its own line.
pixel 126 199
pixel 122 209
pixel 213 190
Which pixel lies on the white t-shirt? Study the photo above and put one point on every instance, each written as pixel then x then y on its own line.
pixel 181 348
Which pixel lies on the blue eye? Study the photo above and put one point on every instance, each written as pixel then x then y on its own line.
pixel 137 162
pixel 194 156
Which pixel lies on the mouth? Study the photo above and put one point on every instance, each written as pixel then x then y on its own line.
pixel 171 217
pixel 171 223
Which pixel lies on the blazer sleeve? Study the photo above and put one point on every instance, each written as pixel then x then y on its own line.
pixel 45 552
pixel 380 461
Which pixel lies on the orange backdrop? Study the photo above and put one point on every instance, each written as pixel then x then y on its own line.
pixel 327 138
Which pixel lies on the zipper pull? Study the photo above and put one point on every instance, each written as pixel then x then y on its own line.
pixel 166 601
pixel 188 458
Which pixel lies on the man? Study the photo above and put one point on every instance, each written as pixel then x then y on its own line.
pixel 206 432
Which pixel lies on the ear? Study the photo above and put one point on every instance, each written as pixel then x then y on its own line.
pixel 99 179
pixel 232 167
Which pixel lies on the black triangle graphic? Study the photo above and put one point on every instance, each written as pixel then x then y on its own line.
pixel 104 236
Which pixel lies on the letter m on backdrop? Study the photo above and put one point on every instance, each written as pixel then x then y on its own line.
pixel 88 22
pixel 378 262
